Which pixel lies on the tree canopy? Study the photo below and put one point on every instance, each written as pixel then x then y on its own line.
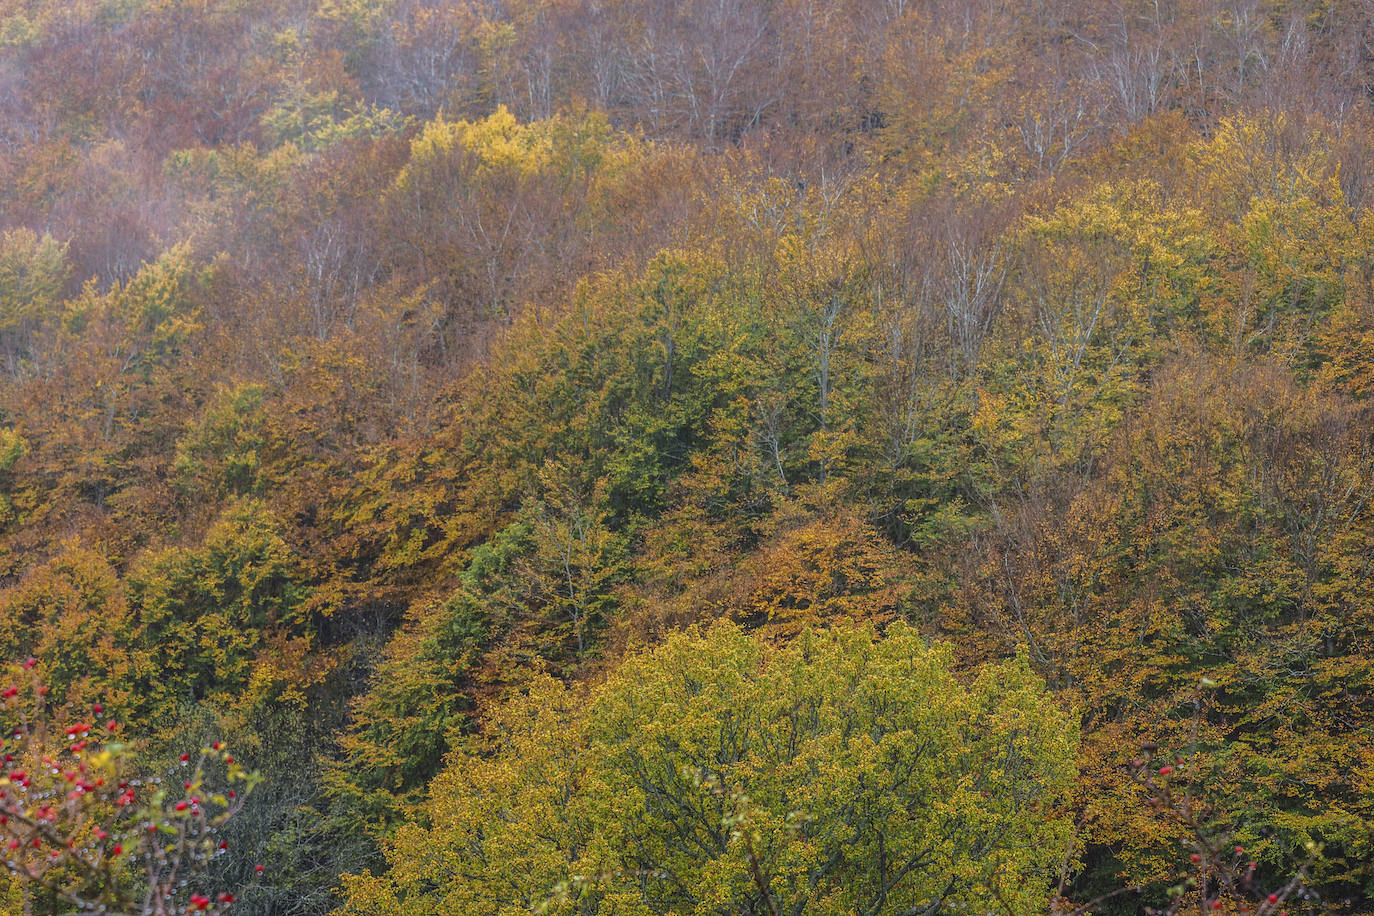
pixel 841 772
pixel 367 365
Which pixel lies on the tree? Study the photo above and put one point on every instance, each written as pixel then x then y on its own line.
pixel 815 571
pixel 1099 279
pixel 841 773
pixel 33 271
pixel 12 449
pixel 204 617
pixel 575 553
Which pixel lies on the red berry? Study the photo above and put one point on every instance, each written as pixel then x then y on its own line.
pixel 257 868
pixel 97 709
pixel 185 758
pixel 181 806
pixel 1240 850
pixel 1195 857
pixel 226 898
pixel 1273 898
pixel 1165 770
pixel 228 759
pixel 1216 904
pixel 117 850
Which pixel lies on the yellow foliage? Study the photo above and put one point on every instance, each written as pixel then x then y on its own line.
pixel 825 570
pixel 1265 156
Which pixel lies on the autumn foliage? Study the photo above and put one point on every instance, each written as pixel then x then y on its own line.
pixel 373 372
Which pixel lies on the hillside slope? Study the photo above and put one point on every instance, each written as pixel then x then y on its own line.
pixel 365 363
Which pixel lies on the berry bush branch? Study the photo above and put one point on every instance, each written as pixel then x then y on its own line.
pixel 1220 877
pixel 82 832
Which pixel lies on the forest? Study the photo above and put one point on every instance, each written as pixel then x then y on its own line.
pixel 692 457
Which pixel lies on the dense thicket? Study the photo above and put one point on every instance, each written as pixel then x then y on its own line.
pixel 364 363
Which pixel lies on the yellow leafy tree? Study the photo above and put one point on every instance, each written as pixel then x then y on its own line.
pixel 840 773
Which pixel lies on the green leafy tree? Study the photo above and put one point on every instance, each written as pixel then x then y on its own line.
pixel 12 448
pixel 220 454
pixel 206 615
pixel 841 773
pixel 33 271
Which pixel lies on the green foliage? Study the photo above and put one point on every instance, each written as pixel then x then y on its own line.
pixel 718 773
pixel 204 615
pixel 315 122
pixel 1104 279
pixel 147 321
pixel 12 448
pixel 410 719
pixel 220 455
pixel 33 271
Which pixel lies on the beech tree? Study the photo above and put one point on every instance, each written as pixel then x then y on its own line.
pixel 33 270
pixel 841 773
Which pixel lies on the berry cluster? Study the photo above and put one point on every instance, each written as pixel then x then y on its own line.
pixel 78 825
